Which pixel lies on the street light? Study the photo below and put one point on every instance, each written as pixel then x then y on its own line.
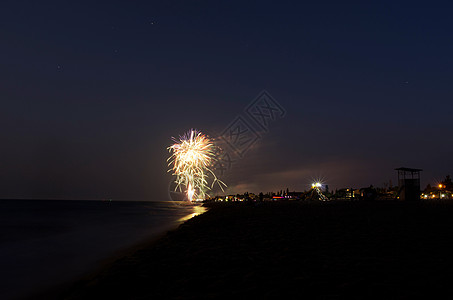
pixel 316 185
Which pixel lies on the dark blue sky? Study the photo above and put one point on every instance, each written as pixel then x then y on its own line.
pixel 91 93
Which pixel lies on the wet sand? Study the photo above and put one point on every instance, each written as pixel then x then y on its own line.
pixel 333 250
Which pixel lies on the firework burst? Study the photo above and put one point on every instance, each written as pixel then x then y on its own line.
pixel 193 155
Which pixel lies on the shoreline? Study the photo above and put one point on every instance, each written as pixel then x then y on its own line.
pixel 58 290
pixel 321 250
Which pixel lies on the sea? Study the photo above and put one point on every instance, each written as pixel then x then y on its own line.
pixel 50 243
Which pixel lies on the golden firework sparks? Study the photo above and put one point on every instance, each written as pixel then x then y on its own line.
pixel 192 157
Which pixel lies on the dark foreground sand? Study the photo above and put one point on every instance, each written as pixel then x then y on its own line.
pixel 381 250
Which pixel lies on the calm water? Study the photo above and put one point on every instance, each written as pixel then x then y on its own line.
pixel 44 243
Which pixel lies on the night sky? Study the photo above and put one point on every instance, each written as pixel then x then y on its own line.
pixel 91 93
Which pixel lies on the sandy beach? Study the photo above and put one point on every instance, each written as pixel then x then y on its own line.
pixel 332 250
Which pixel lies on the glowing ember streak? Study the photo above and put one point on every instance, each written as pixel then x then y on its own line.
pixel 192 157
pixel 190 192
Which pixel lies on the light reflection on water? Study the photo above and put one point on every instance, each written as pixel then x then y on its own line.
pixel 197 210
pixel 47 243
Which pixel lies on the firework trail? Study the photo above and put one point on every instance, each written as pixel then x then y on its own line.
pixel 191 159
